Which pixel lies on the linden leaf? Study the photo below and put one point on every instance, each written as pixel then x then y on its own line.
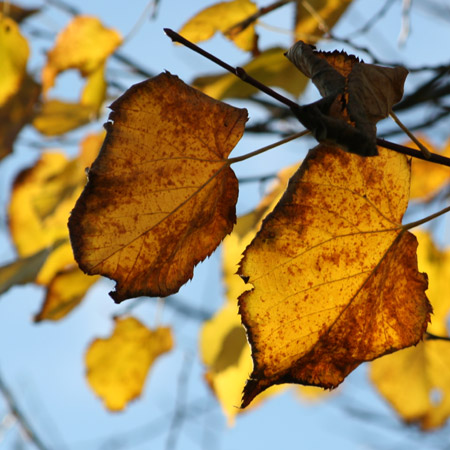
pixel 14 52
pixel 334 273
pixel 57 117
pixel 425 399
pixel 221 17
pixel 117 367
pixel 270 68
pixel 161 195
pixel 355 97
pixel 427 179
pixel 315 17
pixel 84 44
pixel 65 292
pixel 16 112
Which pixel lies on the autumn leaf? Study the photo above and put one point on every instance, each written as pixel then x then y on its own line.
pixel 425 399
pixel 270 68
pixel 427 179
pixel 117 367
pixel 161 195
pixel 334 273
pixel 355 97
pixel 315 17
pixel 84 44
pixel 14 52
pixel 16 112
pixel 220 17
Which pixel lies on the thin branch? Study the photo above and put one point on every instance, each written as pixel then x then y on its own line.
pixel 267 147
pixel 19 415
pixel 408 226
pixel 242 74
pixel 374 19
pixel 433 337
pixel 241 26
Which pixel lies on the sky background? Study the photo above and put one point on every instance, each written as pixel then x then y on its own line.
pixel 43 364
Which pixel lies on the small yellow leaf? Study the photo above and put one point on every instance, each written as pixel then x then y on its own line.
pixel 84 44
pixel 57 117
pixel 65 292
pixel 14 52
pixel 220 17
pixel 317 17
pixel 271 67
pixel 117 367
pixel 427 179
pixel 161 195
pixel 94 92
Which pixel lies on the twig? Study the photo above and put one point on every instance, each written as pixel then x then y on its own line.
pixel 242 74
pixel 374 19
pixel 19 415
pixel 433 337
pixel 241 26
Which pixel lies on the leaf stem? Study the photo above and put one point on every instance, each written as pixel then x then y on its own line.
pixel 267 147
pixel 244 76
pixel 408 226
pixel 433 337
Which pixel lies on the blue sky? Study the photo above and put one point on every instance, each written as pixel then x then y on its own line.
pixel 43 364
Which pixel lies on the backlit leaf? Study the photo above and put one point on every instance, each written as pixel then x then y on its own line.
pixel 317 17
pixel 84 44
pixel 117 366
pixel 16 112
pixel 65 292
pixel 219 18
pixel 14 52
pixel 427 179
pixel 425 398
pixel 334 273
pixel 57 117
pixel 161 195
pixel 270 67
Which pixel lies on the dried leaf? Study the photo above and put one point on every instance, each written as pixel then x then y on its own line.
pixel 16 112
pixel 355 97
pixel 270 68
pixel 334 273
pixel 161 195
pixel 317 17
pixel 14 52
pixel 117 367
pixel 84 44
pixel 220 17
pixel 65 292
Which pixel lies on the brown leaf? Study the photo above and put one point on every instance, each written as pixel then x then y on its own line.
pixel 334 273
pixel 355 97
pixel 161 195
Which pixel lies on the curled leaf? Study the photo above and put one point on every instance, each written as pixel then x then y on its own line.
pixel 334 273
pixel 161 195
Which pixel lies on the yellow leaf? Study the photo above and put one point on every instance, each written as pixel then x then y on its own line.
pixel 271 67
pixel 84 44
pixel 416 382
pixel 117 367
pixel 14 52
pixel 425 398
pixel 317 17
pixel 334 273
pixel 41 200
pixel 57 117
pixel 94 92
pixel 161 195
pixel 65 292
pixel 427 179
pixel 226 354
pixel 220 17
pixel 16 112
